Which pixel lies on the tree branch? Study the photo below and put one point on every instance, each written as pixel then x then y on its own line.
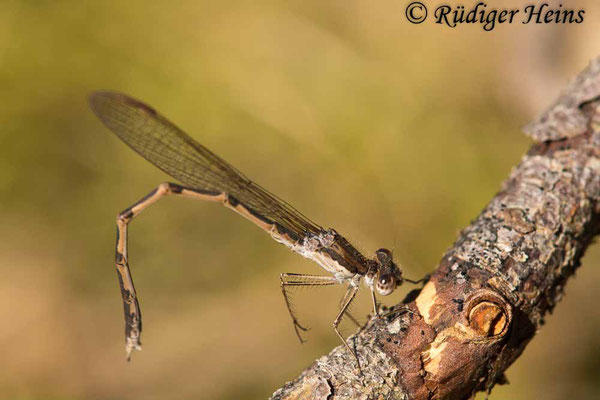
pixel 492 289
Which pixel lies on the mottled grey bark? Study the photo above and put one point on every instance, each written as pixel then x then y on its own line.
pixel 492 289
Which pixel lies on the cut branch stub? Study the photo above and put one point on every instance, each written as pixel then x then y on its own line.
pixel 488 319
pixel 489 315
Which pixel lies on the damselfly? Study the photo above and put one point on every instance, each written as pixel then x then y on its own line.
pixel 205 176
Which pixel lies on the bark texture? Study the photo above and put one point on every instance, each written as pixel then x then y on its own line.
pixel 493 287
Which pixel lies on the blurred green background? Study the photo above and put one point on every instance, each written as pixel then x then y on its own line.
pixel 394 134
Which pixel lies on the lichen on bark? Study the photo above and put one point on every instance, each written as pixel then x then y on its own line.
pixel 495 285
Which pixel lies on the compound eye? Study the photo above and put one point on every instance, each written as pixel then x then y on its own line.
pixel 386 284
pixel 384 256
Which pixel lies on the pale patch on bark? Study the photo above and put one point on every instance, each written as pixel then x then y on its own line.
pixel 426 300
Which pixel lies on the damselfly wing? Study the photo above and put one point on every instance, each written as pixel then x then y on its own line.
pixel 206 176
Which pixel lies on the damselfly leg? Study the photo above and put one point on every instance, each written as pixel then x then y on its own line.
pixel 401 310
pixel 425 279
pixel 375 305
pixel 345 304
pixel 288 280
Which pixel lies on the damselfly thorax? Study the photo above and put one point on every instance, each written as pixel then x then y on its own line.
pixel 205 176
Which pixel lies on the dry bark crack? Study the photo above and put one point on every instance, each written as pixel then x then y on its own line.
pixel 494 286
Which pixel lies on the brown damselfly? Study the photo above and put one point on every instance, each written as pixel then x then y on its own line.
pixel 205 176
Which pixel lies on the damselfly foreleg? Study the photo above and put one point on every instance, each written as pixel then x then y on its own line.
pixel 375 305
pixel 425 279
pixel 400 310
pixel 288 280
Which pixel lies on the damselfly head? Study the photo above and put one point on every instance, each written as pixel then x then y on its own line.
pixel 389 276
